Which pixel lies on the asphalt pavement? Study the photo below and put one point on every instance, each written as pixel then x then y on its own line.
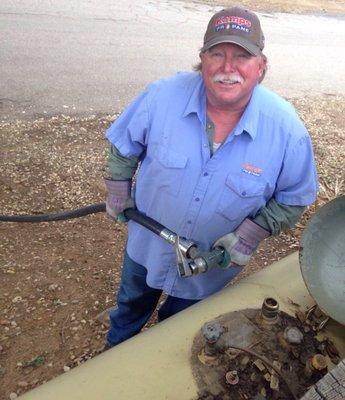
pixel 90 56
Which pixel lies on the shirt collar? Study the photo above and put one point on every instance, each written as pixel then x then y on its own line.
pixel 197 101
pixel 248 122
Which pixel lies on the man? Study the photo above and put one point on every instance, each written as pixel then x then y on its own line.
pixel 223 162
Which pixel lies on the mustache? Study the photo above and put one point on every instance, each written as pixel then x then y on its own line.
pixel 228 78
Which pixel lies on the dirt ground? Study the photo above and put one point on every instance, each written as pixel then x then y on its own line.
pixel 289 6
pixel 57 277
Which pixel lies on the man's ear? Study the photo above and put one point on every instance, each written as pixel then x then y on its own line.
pixel 262 67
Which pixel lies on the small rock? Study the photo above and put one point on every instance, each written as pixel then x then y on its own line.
pixel 22 384
pixel 58 302
pixel 66 368
pixel 103 317
pixel 53 287
pixel 17 299
pixel 293 335
pixel 13 396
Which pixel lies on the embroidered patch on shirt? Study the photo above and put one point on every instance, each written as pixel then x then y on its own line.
pixel 251 169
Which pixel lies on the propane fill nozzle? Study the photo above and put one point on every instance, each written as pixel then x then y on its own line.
pixel 203 261
pixel 190 259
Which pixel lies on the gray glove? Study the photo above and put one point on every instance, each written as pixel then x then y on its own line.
pixel 241 244
pixel 118 198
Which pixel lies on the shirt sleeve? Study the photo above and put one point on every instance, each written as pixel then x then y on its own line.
pixel 128 133
pixel 297 183
pixel 121 168
pixel 275 217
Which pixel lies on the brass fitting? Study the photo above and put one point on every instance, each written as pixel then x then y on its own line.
pixel 270 310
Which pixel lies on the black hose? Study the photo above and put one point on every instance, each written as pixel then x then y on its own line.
pixel 142 219
pixel 130 213
pixel 60 216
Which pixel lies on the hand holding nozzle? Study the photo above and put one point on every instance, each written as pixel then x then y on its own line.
pixel 203 261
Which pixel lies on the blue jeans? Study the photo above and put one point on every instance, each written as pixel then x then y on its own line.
pixel 136 302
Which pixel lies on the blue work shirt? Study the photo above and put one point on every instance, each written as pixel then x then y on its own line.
pixel 268 154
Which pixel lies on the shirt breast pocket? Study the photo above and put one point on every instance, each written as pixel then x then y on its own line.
pixel 241 197
pixel 170 169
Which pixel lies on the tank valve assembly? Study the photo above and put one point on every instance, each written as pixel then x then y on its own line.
pixel 270 310
pixel 211 331
pixel 314 364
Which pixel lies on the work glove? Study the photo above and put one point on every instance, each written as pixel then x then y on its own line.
pixel 118 198
pixel 241 244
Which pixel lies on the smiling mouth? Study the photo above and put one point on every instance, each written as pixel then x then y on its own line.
pixel 228 82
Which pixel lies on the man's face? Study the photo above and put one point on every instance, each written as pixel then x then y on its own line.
pixel 230 74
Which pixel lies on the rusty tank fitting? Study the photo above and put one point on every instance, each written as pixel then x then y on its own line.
pixel 269 310
pixel 212 331
pixel 317 362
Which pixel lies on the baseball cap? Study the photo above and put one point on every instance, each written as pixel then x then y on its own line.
pixel 235 25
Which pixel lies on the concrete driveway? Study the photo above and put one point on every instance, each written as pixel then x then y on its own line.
pixel 87 56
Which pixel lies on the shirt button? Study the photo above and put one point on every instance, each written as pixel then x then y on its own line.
pixel 189 222
pixel 205 173
pixel 197 199
pixel 244 193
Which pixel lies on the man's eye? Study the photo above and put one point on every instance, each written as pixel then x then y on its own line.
pixel 244 56
pixel 217 55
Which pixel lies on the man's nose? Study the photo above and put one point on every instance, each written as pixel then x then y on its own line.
pixel 229 64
